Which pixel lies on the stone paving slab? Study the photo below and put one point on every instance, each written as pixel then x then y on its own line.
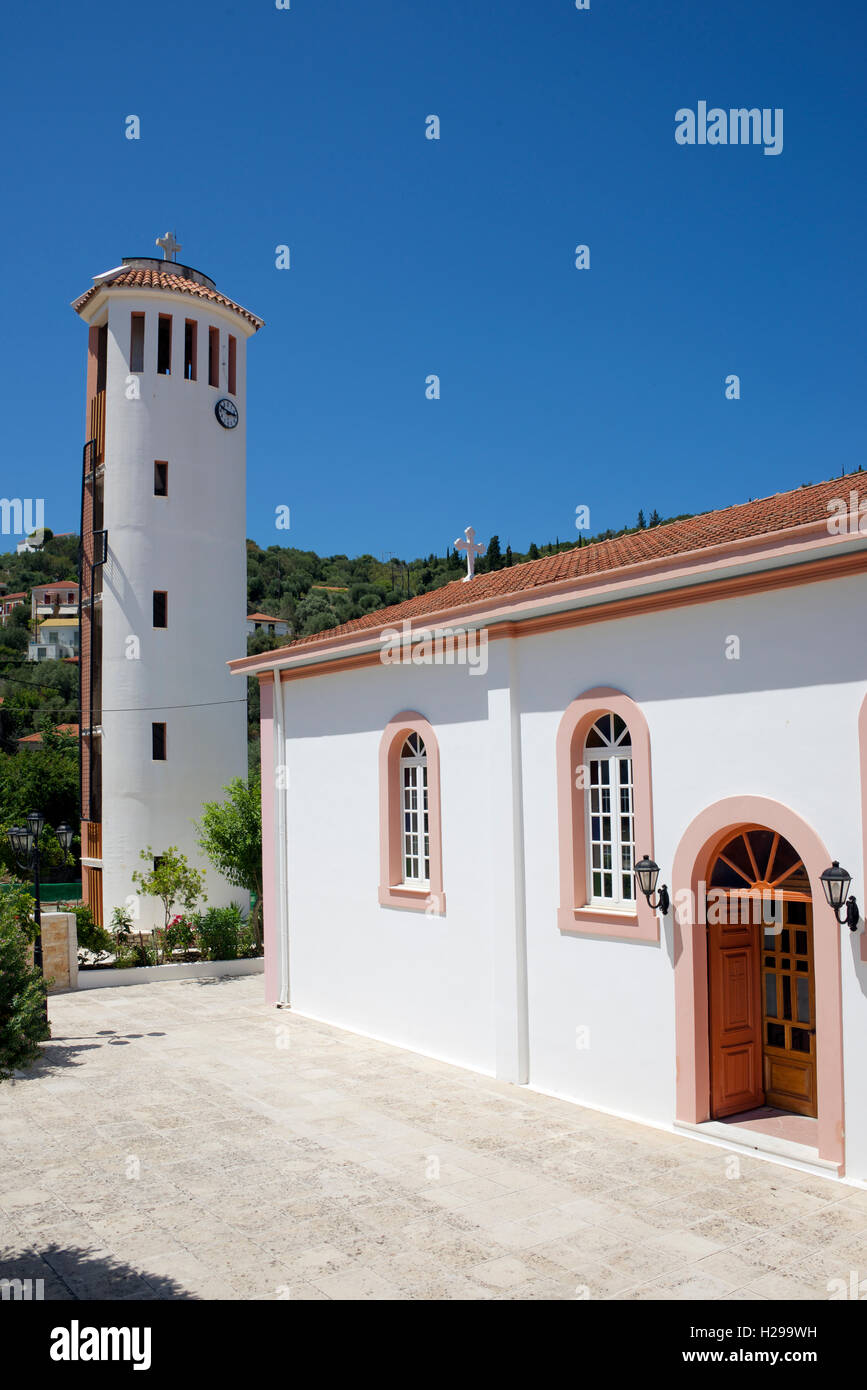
pixel 183 1140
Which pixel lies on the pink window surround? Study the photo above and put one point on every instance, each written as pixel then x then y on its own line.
pixel 692 862
pixel 392 890
pixel 575 915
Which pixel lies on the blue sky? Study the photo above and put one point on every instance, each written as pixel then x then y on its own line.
pixel 559 387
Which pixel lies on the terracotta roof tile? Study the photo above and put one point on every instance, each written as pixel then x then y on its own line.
pixel 138 278
pixel 780 512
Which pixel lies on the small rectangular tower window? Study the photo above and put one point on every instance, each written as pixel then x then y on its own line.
pixel 161 478
pixel 213 356
pixel 233 359
pixel 161 608
pixel 158 738
pixel 164 345
pixel 136 343
pixel 191 338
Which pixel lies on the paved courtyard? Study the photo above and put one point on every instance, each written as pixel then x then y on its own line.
pixel 181 1140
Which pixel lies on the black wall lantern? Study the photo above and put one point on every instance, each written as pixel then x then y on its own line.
pixel 647 874
pixel 835 881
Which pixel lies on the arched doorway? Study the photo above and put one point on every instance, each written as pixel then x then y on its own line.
pixel 702 837
pixel 761 976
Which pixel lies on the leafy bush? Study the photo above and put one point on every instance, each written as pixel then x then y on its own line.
pixel 23 1022
pixel 180 935
pixel 91 937
pixel 134 951
pixel 221 933
pixel 248 945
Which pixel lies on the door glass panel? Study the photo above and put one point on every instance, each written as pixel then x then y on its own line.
pixel 800 1040
pixel 800 943
pixel 786 982
pixel 803 1000
pixel 771 994
pixel 776 1035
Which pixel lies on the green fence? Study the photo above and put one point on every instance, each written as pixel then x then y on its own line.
pixel 50 892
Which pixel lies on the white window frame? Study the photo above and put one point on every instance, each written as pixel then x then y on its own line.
pixel 414 813
pixel 610 755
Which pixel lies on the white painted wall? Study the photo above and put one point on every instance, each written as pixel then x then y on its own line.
pixel 192 544
pixel 781 722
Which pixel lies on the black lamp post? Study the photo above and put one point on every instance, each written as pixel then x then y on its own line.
pixel 835 882
pixel 24 840
pixel 647 874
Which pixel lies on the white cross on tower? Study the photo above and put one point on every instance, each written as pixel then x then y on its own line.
pixel 471 549
pixel 169 245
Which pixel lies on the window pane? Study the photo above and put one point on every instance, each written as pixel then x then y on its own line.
pixel 771 995
pixel 786 982
pixel 803 989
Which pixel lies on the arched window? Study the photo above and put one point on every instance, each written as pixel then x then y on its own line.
pixel 610 818
pixel 410 860
pixel 415 829
pixel 605 810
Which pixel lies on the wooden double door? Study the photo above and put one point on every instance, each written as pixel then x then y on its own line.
pixel 761 979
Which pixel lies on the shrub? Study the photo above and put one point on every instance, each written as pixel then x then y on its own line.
pixel 91 937
pixel 180 935
pixel 23 1021
pixel 220 931
pixel 133 951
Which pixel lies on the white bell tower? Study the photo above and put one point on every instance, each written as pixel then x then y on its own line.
pixel 164 590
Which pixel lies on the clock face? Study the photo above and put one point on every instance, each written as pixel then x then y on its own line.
pixel 227 413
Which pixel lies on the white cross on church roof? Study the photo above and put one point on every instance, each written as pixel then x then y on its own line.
pixel 169 244
pixel 472 549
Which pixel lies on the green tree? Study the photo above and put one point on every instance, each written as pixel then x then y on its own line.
pixel 171 879
pixel 315 614
pixel 641 523
pixel 230 835
pixel 494 556
pixel 42 778
pixel 655 518
pixel 23 1021
pixel 533 552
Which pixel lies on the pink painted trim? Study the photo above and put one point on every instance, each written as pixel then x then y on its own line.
pixel 692 862
pixel 269 855
pixel 689 569
pixel 392 891
pixel 862 744
pixel 574 915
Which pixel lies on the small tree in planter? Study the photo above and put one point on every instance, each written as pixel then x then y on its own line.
pixel 171 879
pixel 23 1021
pixel 230 834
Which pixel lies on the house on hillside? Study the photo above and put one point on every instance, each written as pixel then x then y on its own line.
pixel 263 622
pixel 8 602
pixel 36 740
pixel 579 824
pixel 56 640
pixel 57 600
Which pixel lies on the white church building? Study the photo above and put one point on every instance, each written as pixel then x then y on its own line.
pixel 461 787
pixel 163 525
